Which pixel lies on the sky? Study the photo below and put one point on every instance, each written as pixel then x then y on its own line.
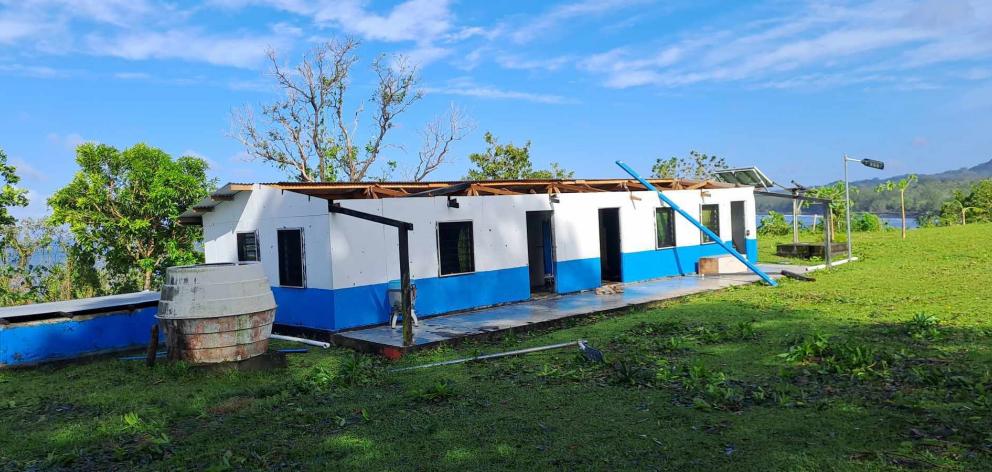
pixel 787 86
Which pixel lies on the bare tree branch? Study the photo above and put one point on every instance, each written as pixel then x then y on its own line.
pixel 438 135
pixel 313 133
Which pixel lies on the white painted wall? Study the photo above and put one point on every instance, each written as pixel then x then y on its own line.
pixel 266 209
pixel 343 251
pixel 365 253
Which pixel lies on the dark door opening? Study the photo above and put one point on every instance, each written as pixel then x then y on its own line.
pixel 291 264
pixel 737 231
pixel 541 251
pixel 609 244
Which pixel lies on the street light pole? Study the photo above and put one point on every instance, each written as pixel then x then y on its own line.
pixel 847 194
pixel 847 206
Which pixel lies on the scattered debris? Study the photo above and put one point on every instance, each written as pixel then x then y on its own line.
pixel 589 352
pixel 798 276
pixel 611 289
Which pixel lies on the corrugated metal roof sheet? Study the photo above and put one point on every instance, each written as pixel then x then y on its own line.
pixel 82 306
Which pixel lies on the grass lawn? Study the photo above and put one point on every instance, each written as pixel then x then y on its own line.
pixel 882 364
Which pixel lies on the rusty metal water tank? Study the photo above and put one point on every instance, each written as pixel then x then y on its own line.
pixel 216 312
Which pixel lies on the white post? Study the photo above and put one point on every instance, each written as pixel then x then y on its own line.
pixel 847 206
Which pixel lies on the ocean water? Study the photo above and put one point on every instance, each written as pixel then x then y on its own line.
pixel 807 220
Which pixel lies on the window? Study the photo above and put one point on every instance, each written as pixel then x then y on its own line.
pixel 710 218
pixel 248 247
pixel 291 265
pixel 455 248
pixel 664 219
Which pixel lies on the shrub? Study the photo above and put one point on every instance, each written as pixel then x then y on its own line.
pixel 865 222
pixel 774 224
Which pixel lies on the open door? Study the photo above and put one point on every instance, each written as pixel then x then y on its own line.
pixel 541 251
pixel 737 227
pixel 609 244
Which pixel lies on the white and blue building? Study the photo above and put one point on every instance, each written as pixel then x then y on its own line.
pixel 473 244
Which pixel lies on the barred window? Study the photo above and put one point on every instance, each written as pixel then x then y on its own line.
pixel 455 247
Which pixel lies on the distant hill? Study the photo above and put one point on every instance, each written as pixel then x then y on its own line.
pixel 927 195
pixel 964 174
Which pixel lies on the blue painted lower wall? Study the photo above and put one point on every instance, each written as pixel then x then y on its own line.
pixel 306 307
pixel 64 338
pixel 577 274
pixel 365 305
pixel 666 262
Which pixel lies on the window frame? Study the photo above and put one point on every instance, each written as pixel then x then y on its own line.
pixel 303 258
pixel 437 235
pixel 237 245
pixel 671 224
pixel 702 235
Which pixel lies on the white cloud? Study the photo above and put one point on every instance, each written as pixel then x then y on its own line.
pixel 560 14
pixel 515 62
pixel 467 88
pixel 68 141
pixel 423 55
pixel 875 42
pixel 132 76
pixel 412 20
pixel 27 171
pixel 247 50
pixel 43 72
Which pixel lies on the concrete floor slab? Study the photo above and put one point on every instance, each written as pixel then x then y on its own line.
pixel 446 328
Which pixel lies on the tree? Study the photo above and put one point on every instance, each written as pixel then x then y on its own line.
pixel 314 134
pixel 697 166
pixel 10 195
pixel 901 185
pixel 20 273
pixel 977 202
pixel 510 162
pixel 124 206
pixel 438 135
pixel 838 210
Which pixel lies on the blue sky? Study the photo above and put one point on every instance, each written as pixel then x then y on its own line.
pixel 787 86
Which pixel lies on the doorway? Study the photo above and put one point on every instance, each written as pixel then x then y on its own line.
pixel 541 251
pixel 609 244
pixel 737 231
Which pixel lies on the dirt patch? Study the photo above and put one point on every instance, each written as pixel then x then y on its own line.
pixel 231 405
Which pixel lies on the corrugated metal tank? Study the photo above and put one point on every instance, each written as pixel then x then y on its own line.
pixel 216 312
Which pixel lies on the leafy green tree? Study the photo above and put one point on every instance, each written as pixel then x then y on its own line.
pixel 976 203
pixel 901 186
pixel 697 166
pixel 510 162
pixel 124 206
pixel 20 274
pixel 10 195
pixel 838 211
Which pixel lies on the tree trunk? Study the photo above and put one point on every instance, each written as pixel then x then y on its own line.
pixel 902 206
pixel 148 278
pixel 963 221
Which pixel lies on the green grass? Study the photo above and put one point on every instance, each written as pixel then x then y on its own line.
pixel 879 365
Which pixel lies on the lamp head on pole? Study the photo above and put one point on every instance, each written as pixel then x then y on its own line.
pixel 873 164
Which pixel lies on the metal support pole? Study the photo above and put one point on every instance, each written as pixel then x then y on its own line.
pixel 828 230
pixel 795 217
pixel 713 236
pixel 404 241
pixel 847 205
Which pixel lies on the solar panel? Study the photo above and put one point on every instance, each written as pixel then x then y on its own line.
pixel 747 176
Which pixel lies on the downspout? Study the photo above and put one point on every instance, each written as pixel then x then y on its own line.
pixel 713 236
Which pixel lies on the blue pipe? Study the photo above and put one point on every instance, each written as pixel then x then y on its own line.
pixel 699 225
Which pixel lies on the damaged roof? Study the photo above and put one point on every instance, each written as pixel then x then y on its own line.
pixel 377 190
